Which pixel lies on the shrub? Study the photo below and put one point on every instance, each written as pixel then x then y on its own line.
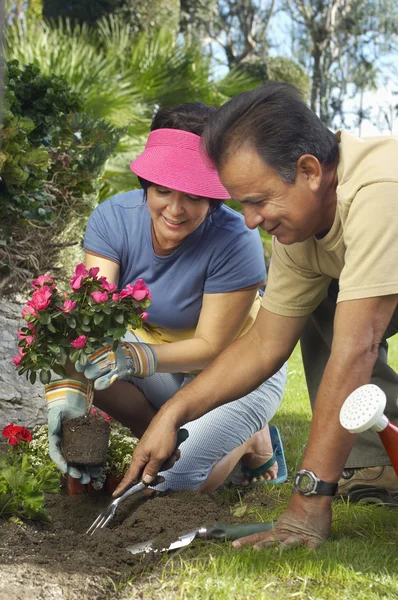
pixel 51 159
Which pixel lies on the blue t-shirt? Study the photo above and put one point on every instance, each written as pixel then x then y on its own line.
pixel 221 255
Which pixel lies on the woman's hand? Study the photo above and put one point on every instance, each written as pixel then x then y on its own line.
pixel 106 365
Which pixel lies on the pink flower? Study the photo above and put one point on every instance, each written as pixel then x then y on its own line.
pixel 41 298
pixel 109 287
pixel 115 297
pixel 68 306
pixel 17 359
pixel 93 272
pixel 81 270
pixel 28 337
pixel 138 291
pixel 104 415
pixel 140 285
pixel 80 273
pixel 43 279
pixel 29 310
pixel 144 316
pixel 76 282
pixel 79 342
pixel 99 296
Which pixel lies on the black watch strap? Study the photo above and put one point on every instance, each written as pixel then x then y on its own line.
pixel 308 484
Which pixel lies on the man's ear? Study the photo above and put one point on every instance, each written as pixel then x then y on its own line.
pixel 309 169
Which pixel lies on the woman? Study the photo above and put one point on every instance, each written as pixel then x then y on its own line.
pixel 203 268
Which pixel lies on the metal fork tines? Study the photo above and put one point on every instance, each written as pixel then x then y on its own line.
pixel 109 512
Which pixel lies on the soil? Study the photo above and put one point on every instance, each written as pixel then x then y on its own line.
pixel 85 440
pixel 60 548
pixel 57 560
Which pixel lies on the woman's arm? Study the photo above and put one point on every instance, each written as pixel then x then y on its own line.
pixel 108 268
pixel 221 320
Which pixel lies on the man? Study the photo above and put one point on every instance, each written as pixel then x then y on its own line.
pixel 330 203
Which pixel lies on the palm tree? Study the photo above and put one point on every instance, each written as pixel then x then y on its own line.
pixel 123 77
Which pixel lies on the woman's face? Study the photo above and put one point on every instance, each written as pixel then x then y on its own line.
pixel 174 214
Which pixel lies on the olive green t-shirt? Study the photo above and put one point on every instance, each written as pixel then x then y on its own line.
pixel 361 249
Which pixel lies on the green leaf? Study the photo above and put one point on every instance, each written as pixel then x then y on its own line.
pixel 62 356
pixel 98 318
pixel 45 318
pixel 119 317
pixel 74 356
pixel 45 376
pixel 119 333
pixel 71 321
pixel 82 358
pixel 85 328
pixel 54 349
pixel 32 377
pixel 51 328
pixel 86 320
pixel 106 310
pixel 59 370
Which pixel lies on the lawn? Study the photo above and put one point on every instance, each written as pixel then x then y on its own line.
pixel 360 560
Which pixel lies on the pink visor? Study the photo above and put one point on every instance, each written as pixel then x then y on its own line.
pixel 174 159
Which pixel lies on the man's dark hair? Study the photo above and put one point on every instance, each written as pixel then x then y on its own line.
pixel 191 117
pixel 277 123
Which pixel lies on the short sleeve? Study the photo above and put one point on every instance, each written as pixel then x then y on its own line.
pixel 98 236
pixel 293 290
pixel 239 264
pixel 371 240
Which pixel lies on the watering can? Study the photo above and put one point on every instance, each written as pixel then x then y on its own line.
pixel 363 410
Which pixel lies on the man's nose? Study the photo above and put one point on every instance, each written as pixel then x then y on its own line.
pixel 252 218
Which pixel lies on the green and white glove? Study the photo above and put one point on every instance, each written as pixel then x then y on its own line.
pixel 66 399
pixel 105 365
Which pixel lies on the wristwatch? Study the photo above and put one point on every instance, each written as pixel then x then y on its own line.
pixel 308 484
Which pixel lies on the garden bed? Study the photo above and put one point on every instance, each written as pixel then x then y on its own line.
pixel 60 548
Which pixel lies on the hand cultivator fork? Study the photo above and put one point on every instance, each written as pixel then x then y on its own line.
pixel 109 512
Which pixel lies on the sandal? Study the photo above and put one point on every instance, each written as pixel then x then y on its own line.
pixel 277 456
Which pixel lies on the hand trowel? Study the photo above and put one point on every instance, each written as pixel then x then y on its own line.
pixel 217 531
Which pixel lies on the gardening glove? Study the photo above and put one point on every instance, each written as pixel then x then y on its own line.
pixel 66 399
pixel 105 365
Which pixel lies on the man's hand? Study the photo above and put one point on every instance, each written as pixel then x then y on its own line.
pixel 106 365
pixel 305 522
pixel 155 452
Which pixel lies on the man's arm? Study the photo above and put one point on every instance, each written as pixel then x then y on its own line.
pixel 359 326
pixel 237 371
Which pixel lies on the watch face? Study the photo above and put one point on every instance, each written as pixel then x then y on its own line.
pixel 305 483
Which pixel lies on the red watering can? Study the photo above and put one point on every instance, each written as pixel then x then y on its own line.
pixel 363 410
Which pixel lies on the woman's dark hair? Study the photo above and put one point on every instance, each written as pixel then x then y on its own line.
pixel 277 123
pixel 191 117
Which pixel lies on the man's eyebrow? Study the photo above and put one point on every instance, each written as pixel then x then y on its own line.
pixel 255 199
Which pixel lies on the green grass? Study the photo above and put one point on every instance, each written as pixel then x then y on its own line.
pixel 359 561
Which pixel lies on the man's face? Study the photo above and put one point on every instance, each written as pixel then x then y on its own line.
pixel 291 212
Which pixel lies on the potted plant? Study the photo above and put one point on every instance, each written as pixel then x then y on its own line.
pixel 62 328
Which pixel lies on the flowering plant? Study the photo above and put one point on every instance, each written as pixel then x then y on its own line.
pixel 69 326
pixel 23 479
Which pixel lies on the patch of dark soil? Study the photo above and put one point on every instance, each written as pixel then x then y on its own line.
pixel 85 440
pixel 62 545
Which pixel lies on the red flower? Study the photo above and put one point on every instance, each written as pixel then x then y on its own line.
pixel 16 434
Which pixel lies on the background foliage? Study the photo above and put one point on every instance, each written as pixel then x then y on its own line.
pixel 51 157
pixel 127 58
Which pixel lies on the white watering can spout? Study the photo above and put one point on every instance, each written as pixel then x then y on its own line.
pixel 363 410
